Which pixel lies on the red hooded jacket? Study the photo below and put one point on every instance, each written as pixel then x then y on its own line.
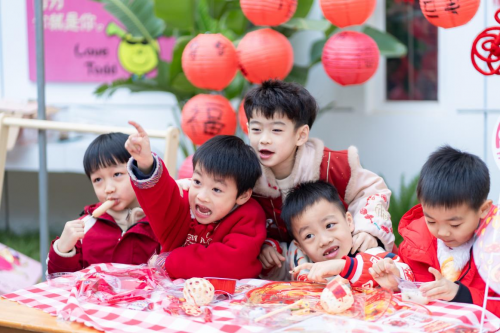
pixel 228 248
pixel 105 242
pixel 419 251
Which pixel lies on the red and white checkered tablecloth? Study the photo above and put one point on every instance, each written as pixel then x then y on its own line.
pixel 115 319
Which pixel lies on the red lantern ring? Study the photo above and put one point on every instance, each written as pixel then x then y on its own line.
pixel 488 41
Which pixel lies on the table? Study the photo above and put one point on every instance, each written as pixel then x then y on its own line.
pixel 15 317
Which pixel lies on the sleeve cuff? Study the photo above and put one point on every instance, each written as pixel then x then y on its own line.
pixel 141 180
pixel 463 295
pixel 70 254
pixel 274 244
pixel 349 268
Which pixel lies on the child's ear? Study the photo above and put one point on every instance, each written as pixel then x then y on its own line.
pixel 244 197
pixel 298 246
pixel 485 208
pixel 350 221
pixel 302 135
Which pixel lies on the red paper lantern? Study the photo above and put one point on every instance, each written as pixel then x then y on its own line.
pixel 449 13
pixel 486 48
pixel 265 54
pixel 268 12
pixel 344 13
pixel 242 117
pixel 186 169
pixel 210 61
pixel 205 116
pixel 350 57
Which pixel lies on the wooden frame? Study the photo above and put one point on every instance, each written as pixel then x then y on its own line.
pixel 8 124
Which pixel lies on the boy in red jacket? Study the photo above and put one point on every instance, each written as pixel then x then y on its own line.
pixel 280 115
pixel 122 234
pixel 215 229
pixel 322 232
pixel 439 233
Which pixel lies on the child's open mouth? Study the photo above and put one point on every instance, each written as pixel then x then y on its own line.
pixel 265 154
pixel 331 252
pixel 203 211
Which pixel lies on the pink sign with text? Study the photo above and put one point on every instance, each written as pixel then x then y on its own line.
pixel 79 47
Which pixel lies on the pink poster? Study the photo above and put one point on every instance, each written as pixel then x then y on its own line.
pixel 17 271
pixel 84 43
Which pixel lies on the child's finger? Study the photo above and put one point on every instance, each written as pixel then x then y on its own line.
pixel 138 127
pixel 356 244
pixel 280 257
pixel 435 292
pixel 373 273
pixel 275 259
pixel 436 273
pixel 300 267
pixel 428 286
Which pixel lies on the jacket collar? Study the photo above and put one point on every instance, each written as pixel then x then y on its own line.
pixel 418 241
pixel 306 168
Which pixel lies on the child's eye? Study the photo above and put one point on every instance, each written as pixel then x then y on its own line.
pixel 277 130
pixel 117 174
pixel 309 236
pixel 456 225
pixel 196 182
pixel 430 222
pixel 96 180
pixel 216 190
pixel 255 129
pixel 330 225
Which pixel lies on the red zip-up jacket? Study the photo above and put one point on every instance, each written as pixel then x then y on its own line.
pixel 227 249
pixel 105 242
pixel 419 251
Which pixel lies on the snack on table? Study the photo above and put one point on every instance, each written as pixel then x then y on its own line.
pixel 337 296
pixel 198 291
pixel 412 293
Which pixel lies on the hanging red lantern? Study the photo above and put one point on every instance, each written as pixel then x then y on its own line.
pixel 205 116
pixel 186 169
pixel 350 57
pixel 489 49
pixel 344 13
pixel 449 13
pixel 268 12
pixel 265 54
pixel 242 117
pixel 210 61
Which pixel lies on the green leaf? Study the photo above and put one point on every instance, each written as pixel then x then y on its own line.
pixel 388 45
pixel 235 88
pixel 132 85
pixel 182 84
pixel 176 64
pixel 163 76
pixel 317 51
pixel 298 74
pixel 137 16
pixel 204 21
pixel 303 8
pixel 299 24
pixel 235 20
pixel 217 8
pixel 177 14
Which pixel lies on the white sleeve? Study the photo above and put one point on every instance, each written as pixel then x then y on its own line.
pixel 368 198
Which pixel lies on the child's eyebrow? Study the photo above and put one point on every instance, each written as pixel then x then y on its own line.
pixel 221 181
pixel 328 217
pixel 303 229
pixel 454 218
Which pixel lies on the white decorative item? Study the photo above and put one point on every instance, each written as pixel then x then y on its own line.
pixel 198 291
pixel 337 296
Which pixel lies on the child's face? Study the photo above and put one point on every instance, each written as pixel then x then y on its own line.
pixel 322 232
pixel 113 183
pixel 212 198
pixel 454 226
pixel 275 141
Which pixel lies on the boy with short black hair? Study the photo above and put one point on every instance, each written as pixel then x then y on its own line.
pixel 121 228
pixel 322 231
pixel 215 229
pixel 280 115
pixel 439 232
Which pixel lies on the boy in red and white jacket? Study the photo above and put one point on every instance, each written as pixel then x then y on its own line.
pixel 439 233
pixel 215 229
pixel 322 232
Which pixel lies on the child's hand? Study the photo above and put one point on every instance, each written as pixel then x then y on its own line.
pixel 72 233
pixel 363 241
pixel 382 271
pixel 138 146
pixel 442 288
pixel 319 271
pixel 183 185
pixel 269 257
